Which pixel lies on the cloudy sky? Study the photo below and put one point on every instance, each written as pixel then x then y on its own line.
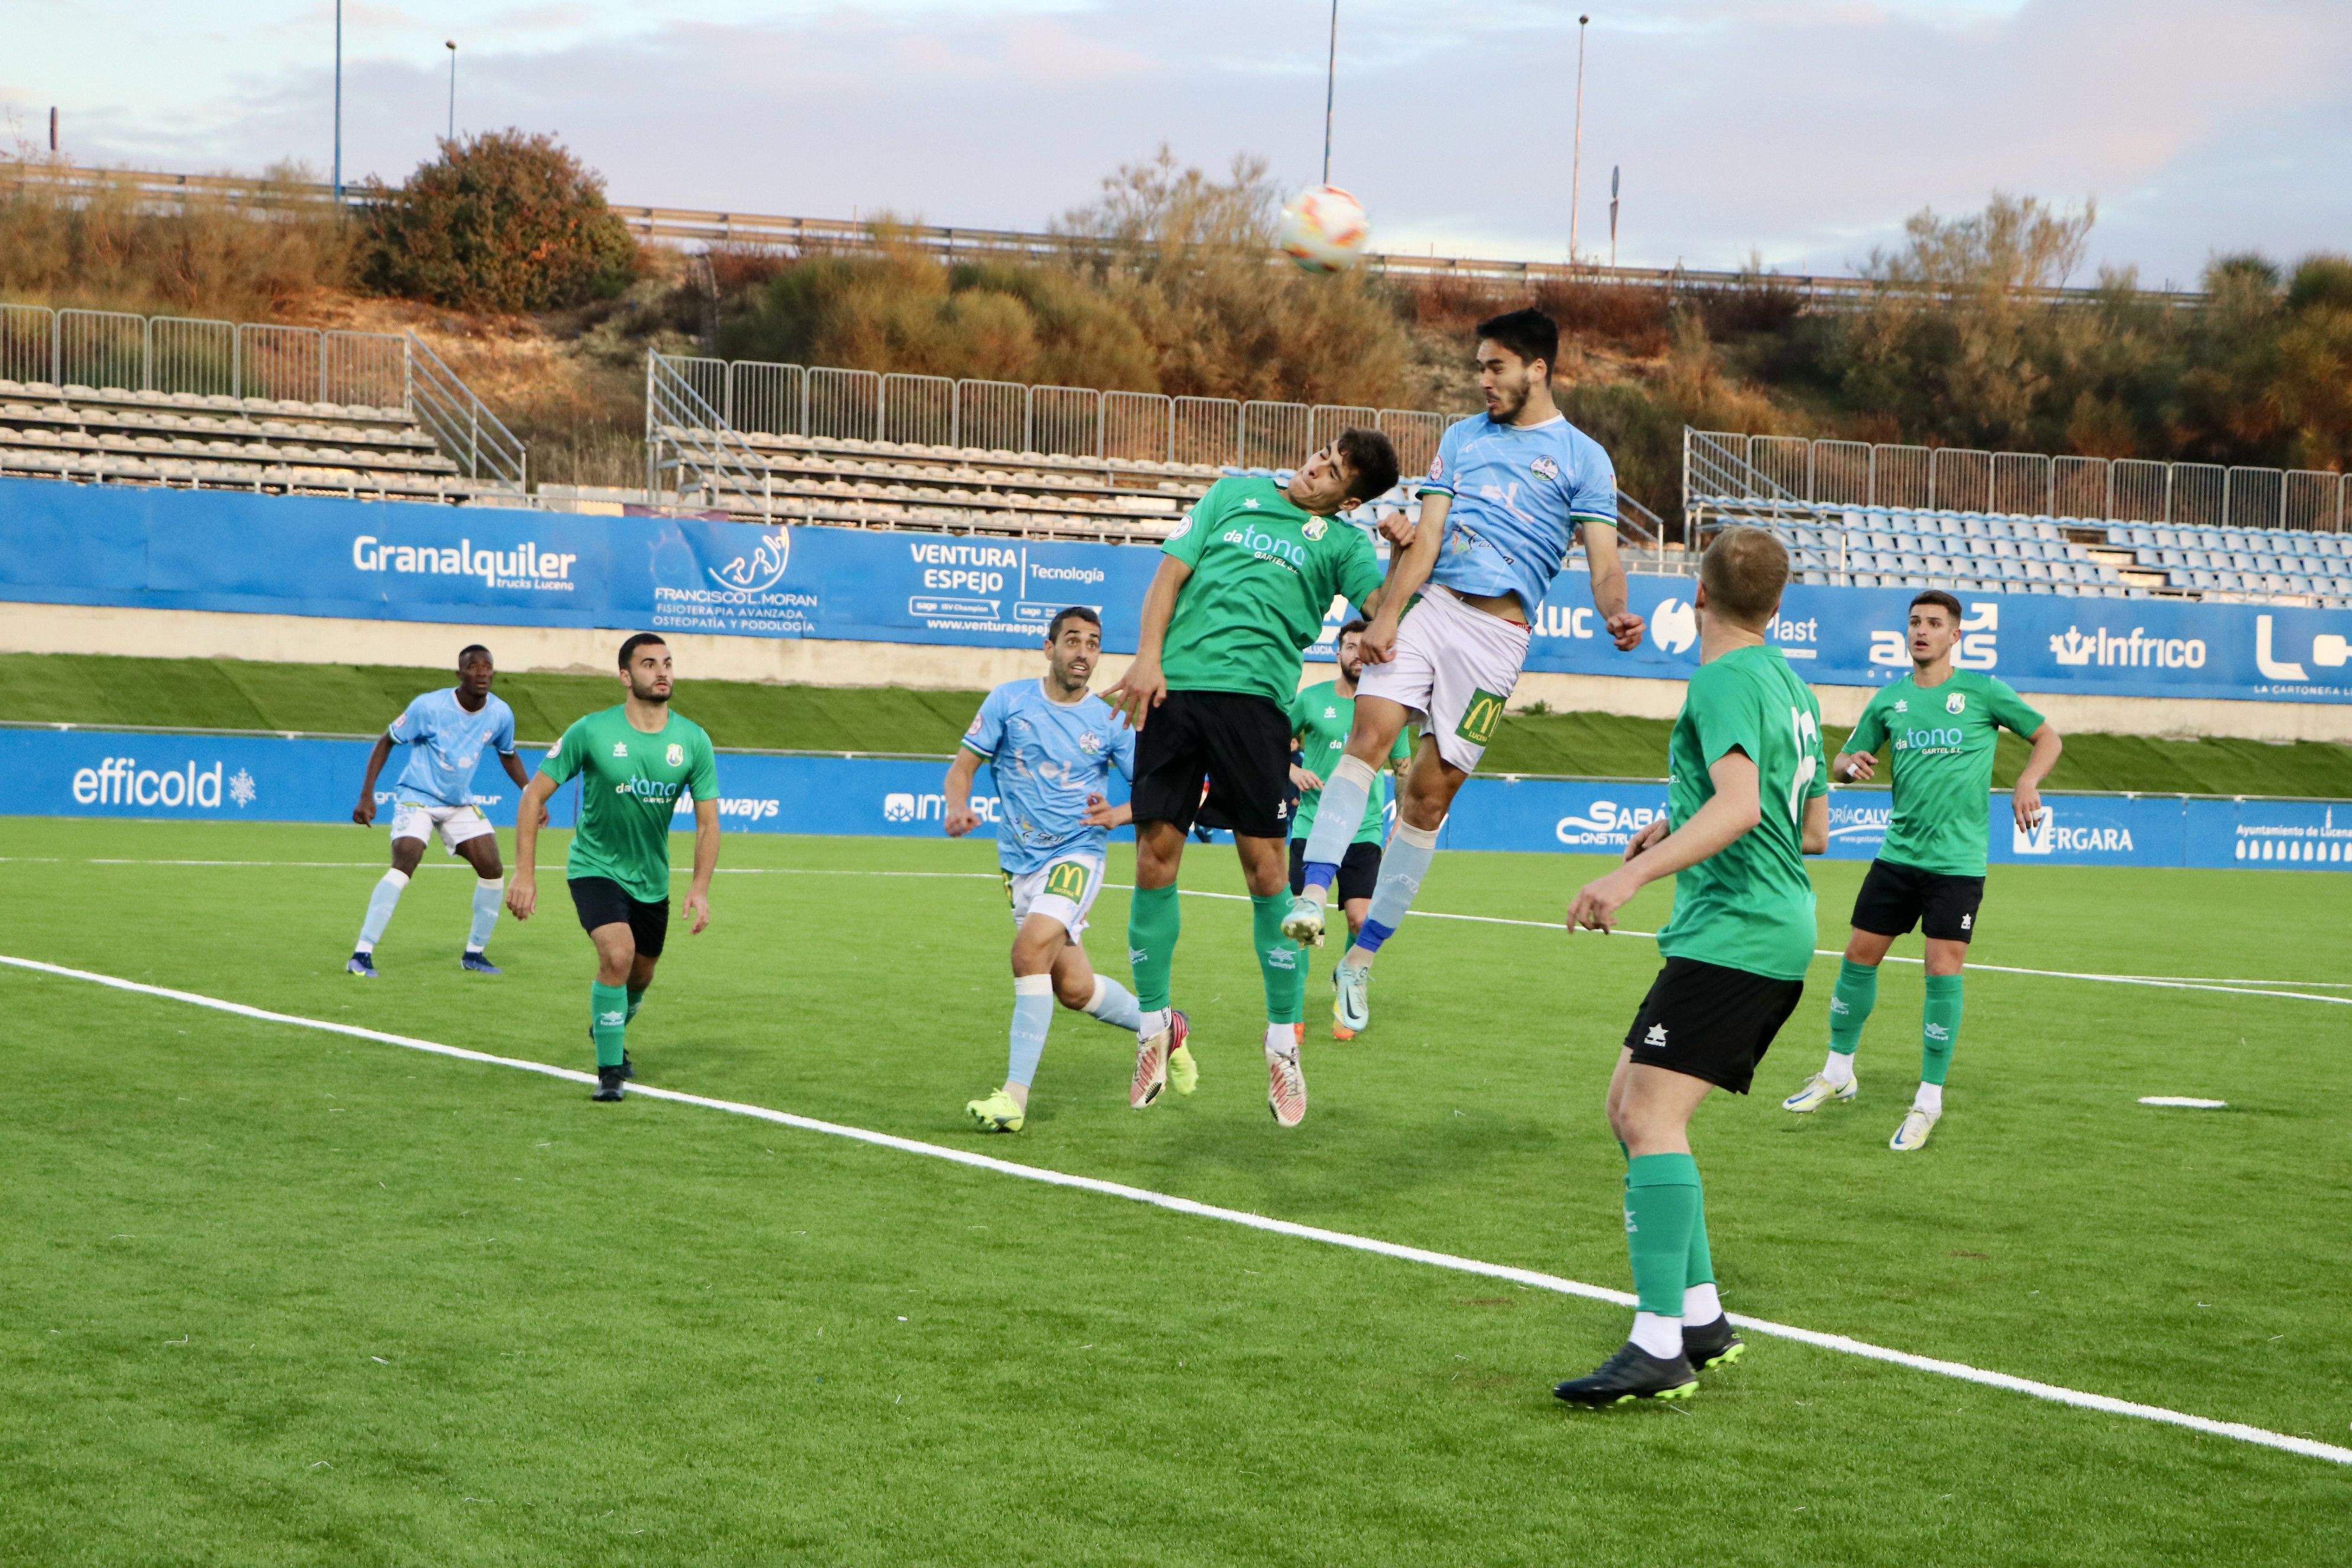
pixel 1800 129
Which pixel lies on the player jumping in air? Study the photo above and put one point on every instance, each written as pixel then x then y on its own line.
pixel 1945 724
pixel 1241 592
pixel 632 762
pixel 1051 745
pixel 1320 718
pixel 1747 800
pixel 444 732
pixel 1502 503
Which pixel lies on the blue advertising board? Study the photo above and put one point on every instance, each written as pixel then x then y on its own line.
pixel 266 778
pixel 215 550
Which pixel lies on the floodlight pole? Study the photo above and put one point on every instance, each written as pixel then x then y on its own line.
pixel 1331 90
pixel 451 45
pixel 1576 167
pixel 338 102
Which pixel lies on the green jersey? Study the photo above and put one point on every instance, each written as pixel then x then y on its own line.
pixel 1944 739
pixel 1263 575
pixel 1748 906
pixel 629 784
pixel 1321 718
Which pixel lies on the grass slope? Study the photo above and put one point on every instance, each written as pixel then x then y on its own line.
pixel 282 1297
pixel 229 694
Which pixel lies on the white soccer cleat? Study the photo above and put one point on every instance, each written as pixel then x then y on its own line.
pixel 1150 1068
pixel 1818 1091
pixel 1304 924
pixel 1912 1134
pixel 1351 1002
pixel 1285 1088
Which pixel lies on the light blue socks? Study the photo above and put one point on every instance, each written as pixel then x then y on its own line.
pixel 380 903
pixel 1032 1015
pixel 487 897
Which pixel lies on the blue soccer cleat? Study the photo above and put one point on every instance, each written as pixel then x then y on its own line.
pixel 362 965
pixel 478 963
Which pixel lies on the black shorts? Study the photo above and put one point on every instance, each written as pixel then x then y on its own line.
pixel 1894 898
pixel 1710 1022
pixel 1239 745
pixel 601 901
pixel 1359 870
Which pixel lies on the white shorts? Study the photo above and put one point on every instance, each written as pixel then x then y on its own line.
pixel 1454 667
pixel 457 824
pixel 1064 891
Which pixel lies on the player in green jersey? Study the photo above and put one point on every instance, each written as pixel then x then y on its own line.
pixel 633 762
pixel 1242 586
pixel 1748 798
pixel 1943 724
pixel 1320 717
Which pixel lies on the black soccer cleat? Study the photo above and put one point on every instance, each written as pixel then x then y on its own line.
pixel 608 1084
pixel 1712 1344
pixel 629 1068
pixel 1631 1373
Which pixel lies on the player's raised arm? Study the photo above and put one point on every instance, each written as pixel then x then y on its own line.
pixel 1408 570
pixel 1142 688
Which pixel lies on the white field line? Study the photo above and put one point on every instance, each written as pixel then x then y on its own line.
pixel 1843 1344
pixel 2160 981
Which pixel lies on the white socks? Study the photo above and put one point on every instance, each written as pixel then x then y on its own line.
pixel 487 896
pixel 1838 1071
pixel 1282 1040
pixel 1700 1304
pixel 1930 1099
pixel 380 903
pixel 1659 1336
pixel 1149 1024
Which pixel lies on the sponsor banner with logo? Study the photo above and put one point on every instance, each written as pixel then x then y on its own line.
pixel 214 550
pixel 261 778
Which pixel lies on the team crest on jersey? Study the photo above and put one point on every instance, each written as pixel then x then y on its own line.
pixel 1437 467
pixel 1955 703
pixel 1090 744
pixel 1546 466
pixel 675 755
pixel 1182 528
pixel 1313 528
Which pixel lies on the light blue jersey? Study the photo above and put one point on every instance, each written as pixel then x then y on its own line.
pixel 1047 757
pixel 444 743
pixel 1518 493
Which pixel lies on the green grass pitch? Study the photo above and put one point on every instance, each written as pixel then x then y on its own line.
pixel 275 1296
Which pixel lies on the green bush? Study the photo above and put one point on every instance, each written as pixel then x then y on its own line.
pixel 501 221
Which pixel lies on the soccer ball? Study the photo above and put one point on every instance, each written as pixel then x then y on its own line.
pixel 1323 229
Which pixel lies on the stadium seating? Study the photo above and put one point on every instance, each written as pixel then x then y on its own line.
pixel 184 440
pixel 1989 552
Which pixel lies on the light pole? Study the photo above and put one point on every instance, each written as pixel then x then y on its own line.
pixel 338 102
pixel 1613 215
pixel 1576 171
pixel 451 45
pixel 1331 90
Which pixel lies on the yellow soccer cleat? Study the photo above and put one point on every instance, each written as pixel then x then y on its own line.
pixel 1183 1072
pixel 999 1113
pixel 1912 1134
pixel 1818 1091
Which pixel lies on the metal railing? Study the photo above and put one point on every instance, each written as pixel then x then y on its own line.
pixel 111 351
pixel 690 448
pixel 1729 466
pixel 774 231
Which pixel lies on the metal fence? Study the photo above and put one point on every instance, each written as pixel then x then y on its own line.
pixel 1726 466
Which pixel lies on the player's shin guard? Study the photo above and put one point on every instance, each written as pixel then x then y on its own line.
pixel 1154 922
pixel 1850 1004
pixel 608 1021
pixel 637 1000
pixel 1402 865
pixel 380 903
pixel 1032 1015
pixel 1662 1205
pixel 1282 962
pixel 1114 1004
pixel 488 892
pixel 1939 1027
pixel 1699 1303
pixel 1337 815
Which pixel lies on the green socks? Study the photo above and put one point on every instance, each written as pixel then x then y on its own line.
pixel 637 1000
pixel 1698 1263
pixel 1153 923
pixel 1282 962
pixel 608 1021
pixel 1850 1004
pixel 1939 1027
pixel 1662 1212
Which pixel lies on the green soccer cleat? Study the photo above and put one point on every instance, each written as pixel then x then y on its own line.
pixel 1818 1091
pixel 1304 924
pixel 1351 1002
pixel 1912 1134
pixel 998 1112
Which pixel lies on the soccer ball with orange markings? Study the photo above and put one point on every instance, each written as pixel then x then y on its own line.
pixel 1323 229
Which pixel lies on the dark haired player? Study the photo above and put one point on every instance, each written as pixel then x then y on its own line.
pixel 1943 724
pixel 1242 589
pixel 1051 745
pixel 1505 498
pixel 445 732
pixel 633 762
pixel 1748 800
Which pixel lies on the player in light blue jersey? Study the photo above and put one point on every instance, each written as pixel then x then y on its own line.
pixel 1051 745
pixel 1508 495
pixel 445 733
